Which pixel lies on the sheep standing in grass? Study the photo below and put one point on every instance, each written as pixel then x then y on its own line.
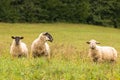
pixel 40 47
pixel 100 53
pixel 18 48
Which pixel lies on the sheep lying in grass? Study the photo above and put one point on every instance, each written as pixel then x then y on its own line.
pixel 100 53
pixel 40 47
pixel 18 48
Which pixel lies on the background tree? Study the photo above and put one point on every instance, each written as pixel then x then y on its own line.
pixel 104 12
pixel 98 12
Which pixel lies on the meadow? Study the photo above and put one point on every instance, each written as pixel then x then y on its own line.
pixel 69 51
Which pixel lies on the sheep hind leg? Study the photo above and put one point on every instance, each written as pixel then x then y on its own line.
pixel 113 61
pixel 35 55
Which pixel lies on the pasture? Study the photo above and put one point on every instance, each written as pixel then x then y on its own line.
pixel 69 51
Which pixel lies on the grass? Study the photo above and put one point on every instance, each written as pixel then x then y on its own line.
pixel 69 51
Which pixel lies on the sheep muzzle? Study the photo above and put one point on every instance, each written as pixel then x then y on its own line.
pixel 50 39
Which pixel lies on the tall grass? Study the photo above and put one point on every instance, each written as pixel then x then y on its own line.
pixel 69 51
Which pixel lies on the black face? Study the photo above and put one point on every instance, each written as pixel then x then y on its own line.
pixel 17 39
pixel 49 36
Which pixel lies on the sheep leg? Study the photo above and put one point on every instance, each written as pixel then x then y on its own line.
pixel 14 55
pixel 100 60
pixel 96 59
pixel 34 54
pixel 47 54
pixel 113 60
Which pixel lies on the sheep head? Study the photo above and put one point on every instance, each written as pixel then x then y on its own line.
pixel 46 36
pixel 92 43
pixel 17 39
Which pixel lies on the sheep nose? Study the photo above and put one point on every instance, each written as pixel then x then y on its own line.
pixel 92 48
pixel 51 40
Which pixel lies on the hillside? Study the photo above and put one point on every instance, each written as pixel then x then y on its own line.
pixel 69 51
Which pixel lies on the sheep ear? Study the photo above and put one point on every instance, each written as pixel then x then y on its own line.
pixel 97 43
pixel 88 42
pixel 21 37
pixel 12 37
pixel 46 33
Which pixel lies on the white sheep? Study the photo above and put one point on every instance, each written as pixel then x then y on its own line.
pixel 101 53
pixel 18 48
pixel 40 46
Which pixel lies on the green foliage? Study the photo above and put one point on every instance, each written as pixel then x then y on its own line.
pixel 44 10
pixel 105 12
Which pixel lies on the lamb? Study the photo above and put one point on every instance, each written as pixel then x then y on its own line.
pixel 101 53
pixel 40 46
pixel 18 48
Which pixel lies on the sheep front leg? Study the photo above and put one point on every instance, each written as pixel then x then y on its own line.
pixel 96 59
pixel 47 54
pixel 100 60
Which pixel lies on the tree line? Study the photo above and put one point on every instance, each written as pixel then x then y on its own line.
pixel 98 12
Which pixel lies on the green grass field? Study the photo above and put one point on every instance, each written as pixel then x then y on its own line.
pixel 69 51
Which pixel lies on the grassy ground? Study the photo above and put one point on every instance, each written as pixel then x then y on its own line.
pixel 69 51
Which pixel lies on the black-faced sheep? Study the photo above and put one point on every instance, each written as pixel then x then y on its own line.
pixel 40 46
pixel 18 48
pixel 101 53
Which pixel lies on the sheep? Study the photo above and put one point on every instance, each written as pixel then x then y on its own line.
pixel 101 53
pixel 40 46
pixel 18 48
